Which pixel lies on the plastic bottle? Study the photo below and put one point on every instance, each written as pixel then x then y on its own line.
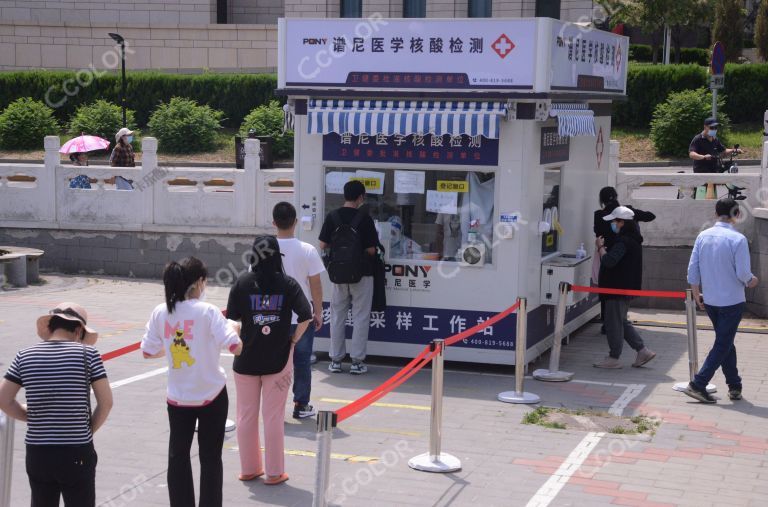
pixel 581 253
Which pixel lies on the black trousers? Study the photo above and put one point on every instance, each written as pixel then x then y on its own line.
pixel 55 471
pixel 211 420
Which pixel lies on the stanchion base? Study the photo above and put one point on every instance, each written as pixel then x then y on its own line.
pixel 552 376
pixel 516 397
pixel 445 463
pixel 681 386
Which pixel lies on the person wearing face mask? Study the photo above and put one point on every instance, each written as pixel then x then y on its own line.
pixel 705 147
pixel 621 267
pixel 191 334
pixel 122 154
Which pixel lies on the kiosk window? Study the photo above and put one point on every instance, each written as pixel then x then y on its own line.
pixel 551 215
pixel 424 215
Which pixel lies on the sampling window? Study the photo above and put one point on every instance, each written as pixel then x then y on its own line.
pixel 429 215
pixel 551 212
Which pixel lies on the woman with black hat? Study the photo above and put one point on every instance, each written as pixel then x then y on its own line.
pixel 57 375
pixel 264 300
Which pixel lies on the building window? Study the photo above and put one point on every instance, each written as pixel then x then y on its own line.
pixel 479 9
pixel 221 11
pixel 414 8
pixel 351 8
pixel 548 9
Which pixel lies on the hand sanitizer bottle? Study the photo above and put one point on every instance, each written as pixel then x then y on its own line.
pixel 581 253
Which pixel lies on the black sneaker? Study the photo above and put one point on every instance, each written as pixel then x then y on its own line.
pixel 698 394
pixel 334 367
pixel 734 393
pixel 303 411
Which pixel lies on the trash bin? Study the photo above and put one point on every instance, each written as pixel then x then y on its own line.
pixel 239 153
pixel 265 152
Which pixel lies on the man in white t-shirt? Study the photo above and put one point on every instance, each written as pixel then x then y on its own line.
pixel 302 262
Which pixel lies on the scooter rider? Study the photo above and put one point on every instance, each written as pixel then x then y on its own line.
pixel 705 147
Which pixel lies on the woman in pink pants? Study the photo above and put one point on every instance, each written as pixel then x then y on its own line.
pixel 264 300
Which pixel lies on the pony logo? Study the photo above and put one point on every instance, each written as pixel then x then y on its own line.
pixel 180 351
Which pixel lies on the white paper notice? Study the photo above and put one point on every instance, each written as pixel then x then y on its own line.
pixel 409 182
pixel 335 181
pixel 372 189
pixel 442 202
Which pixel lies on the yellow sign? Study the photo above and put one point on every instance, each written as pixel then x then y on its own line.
pixel 370 183
pixel 550 241
pixel 452 186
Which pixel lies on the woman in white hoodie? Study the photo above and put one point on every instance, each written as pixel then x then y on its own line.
pixel 191 334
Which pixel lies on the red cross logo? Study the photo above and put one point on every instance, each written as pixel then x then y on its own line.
pixel 503 45
pixel 599 145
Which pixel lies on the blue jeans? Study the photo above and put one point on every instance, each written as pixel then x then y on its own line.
pixel 725 320
pixel 302 368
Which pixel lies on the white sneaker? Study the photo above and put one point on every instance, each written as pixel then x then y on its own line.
pixel 358 368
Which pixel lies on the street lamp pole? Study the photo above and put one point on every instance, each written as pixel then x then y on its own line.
pixel 120 40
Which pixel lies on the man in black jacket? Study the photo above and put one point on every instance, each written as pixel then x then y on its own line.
pixel 621 267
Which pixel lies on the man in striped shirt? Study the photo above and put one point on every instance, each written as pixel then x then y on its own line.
pixel 57 375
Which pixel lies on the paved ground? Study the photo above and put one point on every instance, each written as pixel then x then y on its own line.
pixel 700 455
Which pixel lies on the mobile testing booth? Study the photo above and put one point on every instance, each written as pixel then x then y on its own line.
pixel 482 143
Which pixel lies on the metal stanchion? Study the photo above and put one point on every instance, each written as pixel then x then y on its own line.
pixel 693 345
pixel 521 344
pixel 553 374
pixel 326 421
pixel 7 428
pixel 435 460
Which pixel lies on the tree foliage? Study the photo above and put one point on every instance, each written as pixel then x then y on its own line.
pixel 729 27
pixel 761 30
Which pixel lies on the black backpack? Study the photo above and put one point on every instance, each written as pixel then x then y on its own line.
pixel 345 262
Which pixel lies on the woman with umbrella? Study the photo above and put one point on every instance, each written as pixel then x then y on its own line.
pixel 77 148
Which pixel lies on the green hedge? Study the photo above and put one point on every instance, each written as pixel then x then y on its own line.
pixel 234 94
pixel 642 53
pixel 746 91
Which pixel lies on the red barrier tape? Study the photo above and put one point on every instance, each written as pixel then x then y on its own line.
pixel 394 382
pixel 121 352
pixel 622 292
pixel 412 367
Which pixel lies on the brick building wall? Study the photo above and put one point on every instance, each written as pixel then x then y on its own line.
pixel 145 12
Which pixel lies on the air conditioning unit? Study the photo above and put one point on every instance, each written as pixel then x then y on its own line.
pixel 472 254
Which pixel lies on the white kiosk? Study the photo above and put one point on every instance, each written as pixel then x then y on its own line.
pixel 483 144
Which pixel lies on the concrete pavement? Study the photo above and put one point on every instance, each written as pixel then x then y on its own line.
pixel 700 455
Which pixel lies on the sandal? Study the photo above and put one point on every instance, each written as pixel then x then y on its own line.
pixel 250 477
pixel 277 479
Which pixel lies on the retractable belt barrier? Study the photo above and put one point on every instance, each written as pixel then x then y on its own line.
pixel 434 460
pixel 553 374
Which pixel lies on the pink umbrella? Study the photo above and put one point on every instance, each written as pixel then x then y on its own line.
pixel 83 144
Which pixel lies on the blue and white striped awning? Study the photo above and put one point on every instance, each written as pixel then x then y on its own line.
pixel 405 117
pixel 573 119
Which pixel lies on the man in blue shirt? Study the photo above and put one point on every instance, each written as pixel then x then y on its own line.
pixel 720 266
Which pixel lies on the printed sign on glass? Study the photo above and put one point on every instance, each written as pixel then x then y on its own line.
pixel 553 147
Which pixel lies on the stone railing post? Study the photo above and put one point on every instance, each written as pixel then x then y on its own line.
pixel 151 177
pixel 48 183
pixel 764 168
pixel 247 196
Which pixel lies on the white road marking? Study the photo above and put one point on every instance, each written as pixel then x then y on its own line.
pixel 559 479
pixel 547 493
pixel 136 378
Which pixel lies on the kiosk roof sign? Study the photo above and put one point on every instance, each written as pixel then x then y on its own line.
pixel 407 53
pixel 522 55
